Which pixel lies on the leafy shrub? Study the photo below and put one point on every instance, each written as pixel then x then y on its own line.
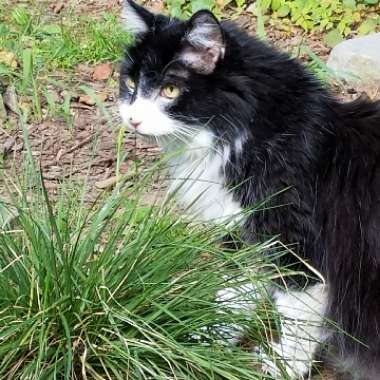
pixel 183 8
pixel 338 16
pixel 62 45
pixel 326 14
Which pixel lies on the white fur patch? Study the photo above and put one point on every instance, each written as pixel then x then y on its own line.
pixel 198 181
pixel 150 113
pixel 302 330
pixel 239 144
pixel 200 37
pixel 132 21
pixel 240 299
pixel 302 326
pixel 226 154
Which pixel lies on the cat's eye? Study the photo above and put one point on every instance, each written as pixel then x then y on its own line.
pixel 170 91
pixel 131 84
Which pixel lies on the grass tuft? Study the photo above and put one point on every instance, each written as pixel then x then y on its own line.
pixel 117 291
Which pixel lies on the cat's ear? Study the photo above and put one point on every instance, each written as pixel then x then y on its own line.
pixel 137 20
pixel 203 44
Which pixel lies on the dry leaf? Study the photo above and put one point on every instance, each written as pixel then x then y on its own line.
pixel 90 101
pixel 7 58
pixel 103 71
pixel 109 182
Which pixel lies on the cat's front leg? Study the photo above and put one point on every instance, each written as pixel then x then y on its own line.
pixel 241 299
pixel 302 328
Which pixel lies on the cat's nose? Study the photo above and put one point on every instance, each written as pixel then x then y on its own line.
pixel 134 123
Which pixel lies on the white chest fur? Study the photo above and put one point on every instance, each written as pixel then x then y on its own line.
pixel 198 181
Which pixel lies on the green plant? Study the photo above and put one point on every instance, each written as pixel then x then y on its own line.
pixel 185 8
pixel 116 292
pixel 329 15
pixel 33 46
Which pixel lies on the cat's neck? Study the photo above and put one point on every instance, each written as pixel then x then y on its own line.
pixel 197 177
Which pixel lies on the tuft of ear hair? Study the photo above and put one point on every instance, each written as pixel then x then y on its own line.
pixel 138 20
pixel 203 44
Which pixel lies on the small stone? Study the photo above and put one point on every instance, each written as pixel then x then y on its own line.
pixel 357 61
pixel 102 72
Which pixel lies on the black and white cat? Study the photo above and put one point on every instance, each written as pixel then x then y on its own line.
pixel 250 122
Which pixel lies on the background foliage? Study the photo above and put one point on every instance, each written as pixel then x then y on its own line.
pixel 339 17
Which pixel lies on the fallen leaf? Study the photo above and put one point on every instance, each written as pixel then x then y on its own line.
pixel 91 101
pixel 60 153
pixel 7 58
pixel 87 99
pixel 109 182
pixel 26 106
pixel 103 71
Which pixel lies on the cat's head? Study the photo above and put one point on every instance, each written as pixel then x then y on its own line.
pixel 171 76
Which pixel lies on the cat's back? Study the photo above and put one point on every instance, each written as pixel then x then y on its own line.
pixel 358 133
pixel 350 196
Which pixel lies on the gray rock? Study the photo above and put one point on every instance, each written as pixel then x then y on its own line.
pixel 358 61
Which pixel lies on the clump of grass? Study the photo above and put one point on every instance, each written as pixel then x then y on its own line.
pixel 116 291
pixel 36 47
pixel 62 43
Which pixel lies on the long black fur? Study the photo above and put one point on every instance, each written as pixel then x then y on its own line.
pixel 298 137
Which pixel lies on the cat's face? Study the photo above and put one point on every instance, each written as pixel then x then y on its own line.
pixel 167 81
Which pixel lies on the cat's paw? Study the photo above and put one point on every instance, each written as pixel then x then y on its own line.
pixel 276 367
pixel 236 300
pixel 239 298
